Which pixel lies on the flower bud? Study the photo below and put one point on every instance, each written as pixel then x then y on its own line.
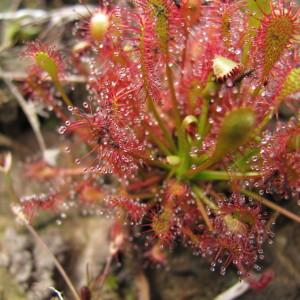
pixel 5 162
pixel 173 160
pixel 99 24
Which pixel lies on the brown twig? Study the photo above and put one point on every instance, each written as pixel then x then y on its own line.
pixel 272 205
pixel 30 114
pixel 17 210
pixel 99 281
pixel 22 76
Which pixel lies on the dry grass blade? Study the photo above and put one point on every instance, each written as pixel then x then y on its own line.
pixel 28 111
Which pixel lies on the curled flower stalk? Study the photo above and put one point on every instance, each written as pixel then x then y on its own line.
pixel 175 105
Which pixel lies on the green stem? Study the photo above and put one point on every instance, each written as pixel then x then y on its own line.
pixel 241 162
pixel 64 96
pixel 156 163
pixel 11 190
pixel 210 88
pixel 199 159
pixel 256 91
pixel 202 121
pixel 200 194
pixel 202 209
pixel 263 123
pixel 223 175
pixel 184 151
pixel 193 172
pixel 151 162
pixel 161 124
pixel 271 205
pixel 160 144
pixel 182 140
pixel 175 104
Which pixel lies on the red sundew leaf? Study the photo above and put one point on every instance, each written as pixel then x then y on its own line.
pixel 46 58
pixel 91 195
pixel 284 83
pixel 244 219
pixel 237 237
pixel 34 204
pixel 256 9
pixel 121 92
pixel 281 159
pixel 40 171
pixel 162 226
pixel 192 11
pixel 259 282
pixel 226 21
pixel 135 210
pixel 117 238
pixel 112 143
pixel 276 34
pixel 156 254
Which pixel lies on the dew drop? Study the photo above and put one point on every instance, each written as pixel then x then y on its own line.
pixel 77 161
pixel 62 129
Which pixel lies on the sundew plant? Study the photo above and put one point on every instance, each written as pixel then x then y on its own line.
pixel 183 112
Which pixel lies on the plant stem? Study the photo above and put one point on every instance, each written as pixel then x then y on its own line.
pixel 175 104
pixel 99 281
pixel 263 123
pixel 223 175
pixel 193 172
pixel 200 194
pixel 17 210
pixel 144 183
pixel 29 112
pixel 241 162
pixel 184 51
pixel 271 205
pixel 182 140
pixel 161 124
pixel 199 159
pixel 56 262
pixel 184 151
pixel 202 209
pixel 202 121
pixel 256 91
pixel 151 162
pixel 159 143
pixel 9 183
pixel 64 96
